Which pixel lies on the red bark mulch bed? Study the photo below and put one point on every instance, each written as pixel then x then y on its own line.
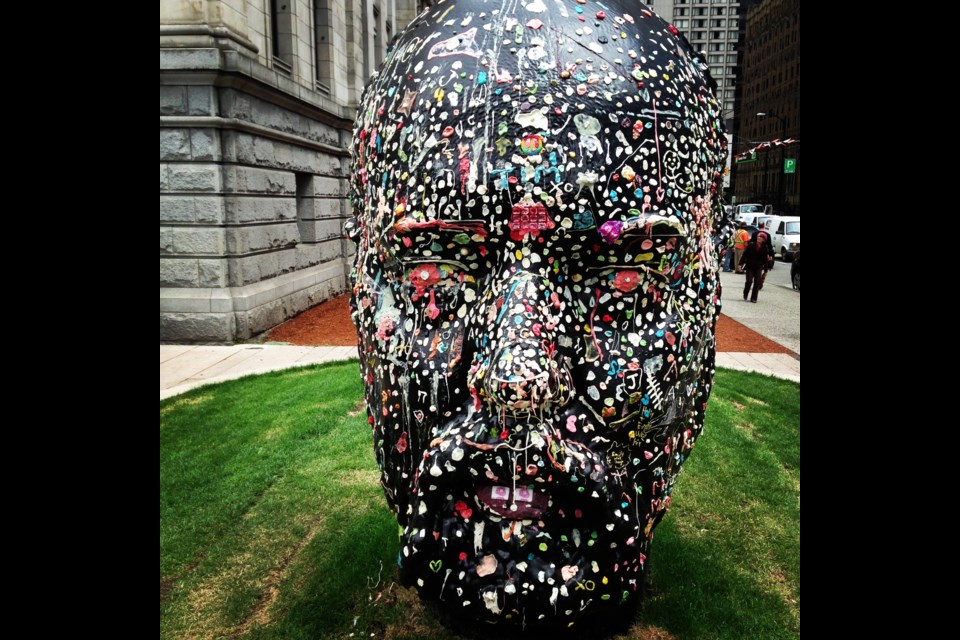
pixel 329 324
pixel 734 336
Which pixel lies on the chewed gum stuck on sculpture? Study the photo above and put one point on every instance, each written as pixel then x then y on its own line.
pixel 535 294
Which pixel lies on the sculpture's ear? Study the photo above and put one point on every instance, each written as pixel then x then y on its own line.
pixel 353 227
pixel 722 218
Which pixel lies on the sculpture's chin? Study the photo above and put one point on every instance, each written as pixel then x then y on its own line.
pixel 495 557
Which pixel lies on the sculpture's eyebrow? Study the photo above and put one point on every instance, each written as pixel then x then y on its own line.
pixel 648 227
pixel 408 225
pixel 413 261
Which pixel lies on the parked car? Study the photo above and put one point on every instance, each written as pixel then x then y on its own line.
pixel 795 271
pixel 785 236
pixel 751 207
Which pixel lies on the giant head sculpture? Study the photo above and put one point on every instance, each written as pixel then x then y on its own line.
pixel 535 294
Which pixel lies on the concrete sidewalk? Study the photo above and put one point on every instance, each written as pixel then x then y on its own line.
pixel 184 367
pixel 778 365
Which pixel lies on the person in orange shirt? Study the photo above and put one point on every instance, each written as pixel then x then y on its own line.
pixel 741 238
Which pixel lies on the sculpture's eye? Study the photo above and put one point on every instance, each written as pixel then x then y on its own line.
pixel 655 254
pixel 422 274
pixel 626 280
pixel 440 286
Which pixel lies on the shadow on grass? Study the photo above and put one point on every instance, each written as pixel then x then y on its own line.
pixel 338 581
pixel 273 524
pixel 692 596
pixel 696 595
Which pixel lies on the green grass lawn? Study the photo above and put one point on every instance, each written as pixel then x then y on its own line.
pixel 273 525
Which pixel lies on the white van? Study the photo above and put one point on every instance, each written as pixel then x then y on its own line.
pixel 785 236
pixel 765 222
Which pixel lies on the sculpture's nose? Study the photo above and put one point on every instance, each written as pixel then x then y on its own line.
pixel 524 372
pixel 523 377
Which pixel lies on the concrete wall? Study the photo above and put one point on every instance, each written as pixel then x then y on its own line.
pixel 254 159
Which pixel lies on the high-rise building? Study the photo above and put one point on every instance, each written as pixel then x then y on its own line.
pixel 770 106
pixel 712 27
pixel 257 102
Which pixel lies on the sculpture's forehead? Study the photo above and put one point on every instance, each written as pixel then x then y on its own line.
pixel 548 114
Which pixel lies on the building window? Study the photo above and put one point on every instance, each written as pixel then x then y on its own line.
pixel 379 43
pixel 323 46
pixel 281 35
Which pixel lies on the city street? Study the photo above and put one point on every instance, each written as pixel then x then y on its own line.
pixel 776 314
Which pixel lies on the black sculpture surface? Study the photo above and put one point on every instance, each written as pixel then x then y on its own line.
pixel 535 293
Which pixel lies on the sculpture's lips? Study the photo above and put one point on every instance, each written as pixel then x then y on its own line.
pixel 520 503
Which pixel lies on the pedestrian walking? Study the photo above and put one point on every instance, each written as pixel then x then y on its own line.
pixel 741 238
pixel 728 256
pixel 756 261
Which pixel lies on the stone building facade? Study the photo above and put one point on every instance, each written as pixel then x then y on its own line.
pixel 257 101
